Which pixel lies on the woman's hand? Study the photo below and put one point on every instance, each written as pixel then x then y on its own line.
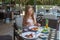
pixel 37 24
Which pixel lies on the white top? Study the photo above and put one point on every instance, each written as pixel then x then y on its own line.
pixel 30 21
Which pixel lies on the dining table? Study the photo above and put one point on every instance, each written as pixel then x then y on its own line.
pixel 51 35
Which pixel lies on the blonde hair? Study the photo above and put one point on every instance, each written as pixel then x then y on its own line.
pixel 26 14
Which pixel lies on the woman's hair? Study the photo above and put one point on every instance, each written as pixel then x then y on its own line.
pixel 26 14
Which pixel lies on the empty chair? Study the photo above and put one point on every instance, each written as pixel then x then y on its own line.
pixel 5 37
pixel 52 23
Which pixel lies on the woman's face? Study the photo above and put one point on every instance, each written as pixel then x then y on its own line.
pixel 30 11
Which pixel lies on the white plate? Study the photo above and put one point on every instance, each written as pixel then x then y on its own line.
pixel 43 35
pixel 32 27
pixel 27 33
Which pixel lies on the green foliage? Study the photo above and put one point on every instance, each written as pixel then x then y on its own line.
pixel 0 0
pixel 56 2
pixel 17 1
pixel 31 2
pixel 38 2
pixel 7 1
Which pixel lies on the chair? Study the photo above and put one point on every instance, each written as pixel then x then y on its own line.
pixel 1 15
pixel 52 23
pixel 16 34
pixel 5 37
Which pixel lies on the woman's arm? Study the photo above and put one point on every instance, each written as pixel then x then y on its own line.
pixel 35 19
pixel 35 22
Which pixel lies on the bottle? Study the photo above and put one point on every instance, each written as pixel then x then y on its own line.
pixel 46 23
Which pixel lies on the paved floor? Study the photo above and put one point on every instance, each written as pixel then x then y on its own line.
pixel 58 33
pixel 6 29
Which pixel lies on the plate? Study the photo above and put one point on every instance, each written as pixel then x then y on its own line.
pixel 33 28
pixel 43 35
pixel 45 31
pixel 28 33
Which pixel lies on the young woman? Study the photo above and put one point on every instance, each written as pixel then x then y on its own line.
pixel 29 18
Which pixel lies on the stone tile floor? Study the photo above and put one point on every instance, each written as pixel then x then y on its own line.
pixel 6 29
pixel 58 33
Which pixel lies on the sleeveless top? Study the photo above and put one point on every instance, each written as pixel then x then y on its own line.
pixel 30 21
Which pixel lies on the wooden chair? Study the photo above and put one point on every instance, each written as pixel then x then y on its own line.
pixel 52 23
pixel 16 34
pixel 1 15
pixel 5 37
